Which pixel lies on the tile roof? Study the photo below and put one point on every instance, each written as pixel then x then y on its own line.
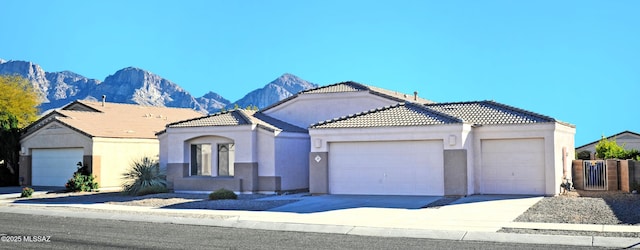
pixel 488 112
pixel 114 120
pixel 349 86
pixel 337 88
pixel 410 114
pixel 239 117
pixel 229 118
pixel 401 114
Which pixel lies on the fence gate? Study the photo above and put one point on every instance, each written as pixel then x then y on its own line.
pixel 595 175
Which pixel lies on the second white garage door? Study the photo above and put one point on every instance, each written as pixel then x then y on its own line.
pixel 53 167
pixel 513 166
pixel 386 168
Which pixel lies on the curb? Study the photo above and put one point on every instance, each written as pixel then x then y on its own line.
pixel 235 222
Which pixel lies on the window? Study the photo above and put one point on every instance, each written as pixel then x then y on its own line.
pixel 201 159
pixel 225 159
pixel 212 159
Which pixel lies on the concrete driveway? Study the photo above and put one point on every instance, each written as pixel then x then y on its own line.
pixel 323 203
pixel 473 213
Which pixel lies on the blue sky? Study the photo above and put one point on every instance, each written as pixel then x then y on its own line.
pixel 577 61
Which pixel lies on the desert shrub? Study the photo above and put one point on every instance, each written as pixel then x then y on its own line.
pixel 223 194
pixel 26 192
pixel 144 177
pixel 81 181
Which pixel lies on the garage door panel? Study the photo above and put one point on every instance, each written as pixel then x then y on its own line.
pixel 395 168
pixel 53 167
pixel 514 166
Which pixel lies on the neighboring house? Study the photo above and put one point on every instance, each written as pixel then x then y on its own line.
pixel 106 137
pixel 349 138
pixel 628 139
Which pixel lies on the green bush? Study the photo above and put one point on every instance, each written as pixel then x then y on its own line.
pixel 606 149
pixel 223 194
pixel 82 180
pixel 144 177
pixel 26 192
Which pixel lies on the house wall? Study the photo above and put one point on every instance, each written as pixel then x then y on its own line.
pixel 266 153
pixel 291 156
pixel 174 142
pixel 564 143
pixel 117 155
pixel 303 110
pixel 452 136
pixel 214 141
pixel 321 137
pixel 175 157
pixel 56 135
pixel 553 148
pixel 51 136
pixel 108 158
pixel 278 158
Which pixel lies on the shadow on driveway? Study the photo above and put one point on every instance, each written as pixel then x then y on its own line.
pixel 323 203
pixel 18 189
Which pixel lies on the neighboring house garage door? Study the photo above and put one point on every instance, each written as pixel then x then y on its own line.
pixel 53 167
pixel 514 166
pixel 386 168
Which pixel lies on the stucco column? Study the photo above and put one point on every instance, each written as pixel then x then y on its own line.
pixel 319 172
pixel 248 173
pixel 455 172
pixel 25 170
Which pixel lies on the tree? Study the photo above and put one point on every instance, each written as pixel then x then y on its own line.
pixel 18 98
pixel 609 149
pixel 18 108
pixel 9 149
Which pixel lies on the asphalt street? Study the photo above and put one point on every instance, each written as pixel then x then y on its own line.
pixel 52 232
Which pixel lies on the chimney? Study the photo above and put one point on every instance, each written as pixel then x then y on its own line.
pixel 415 95
pixel 104 98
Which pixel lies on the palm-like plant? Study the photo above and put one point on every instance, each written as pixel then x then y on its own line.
pixel 145 177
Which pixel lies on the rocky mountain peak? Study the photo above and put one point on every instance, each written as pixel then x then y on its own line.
pixel 278 89
pixel 292 83
pixel 136 85
pixel 31 72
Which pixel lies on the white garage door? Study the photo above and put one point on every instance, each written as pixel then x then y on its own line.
pixel 513 166
pixel 386 168
pixel 53 167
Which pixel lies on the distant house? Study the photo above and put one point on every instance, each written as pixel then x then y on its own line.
pixel 630 140
pixel 349 138
pixel 106 137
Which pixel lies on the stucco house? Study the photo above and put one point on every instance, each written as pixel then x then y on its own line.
pixel 106 137
pixel 349 138
pixel 630 140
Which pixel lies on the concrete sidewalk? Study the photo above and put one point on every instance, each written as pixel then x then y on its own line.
pixel 474 218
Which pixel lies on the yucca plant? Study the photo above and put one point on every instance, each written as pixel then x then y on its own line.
pixel 145 177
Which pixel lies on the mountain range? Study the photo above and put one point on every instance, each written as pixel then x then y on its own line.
pixel 135 85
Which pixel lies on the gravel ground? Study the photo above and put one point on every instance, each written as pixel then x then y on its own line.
pixel 569 232
pixel 584 207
